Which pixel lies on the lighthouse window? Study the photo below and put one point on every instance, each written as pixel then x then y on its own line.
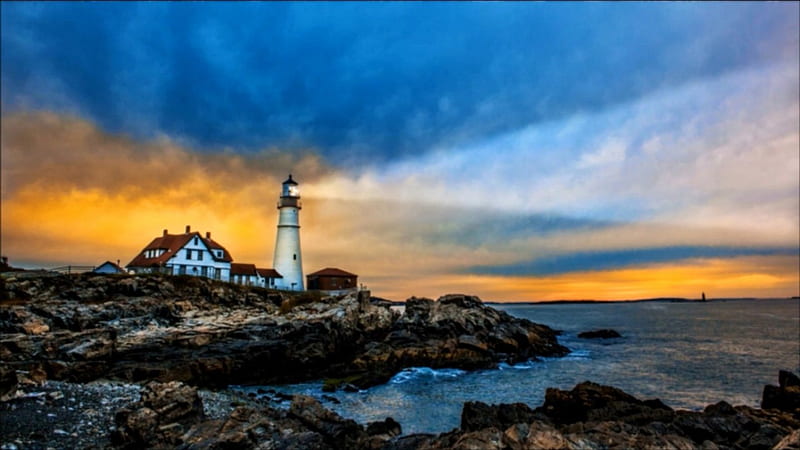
pixel 294 256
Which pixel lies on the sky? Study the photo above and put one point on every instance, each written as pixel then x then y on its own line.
pixel 515 151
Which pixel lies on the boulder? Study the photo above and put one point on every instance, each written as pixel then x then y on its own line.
pixel 164 412
pixel 785 396
pixel 594 402
pixel 339 432
pixel 599 334
pixel 479 415
pixel 388 427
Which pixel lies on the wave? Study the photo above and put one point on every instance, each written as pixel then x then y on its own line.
pixel 418 373
pixel 578 355
pixel 518 366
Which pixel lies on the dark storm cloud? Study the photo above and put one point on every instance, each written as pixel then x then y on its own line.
pixel 615 259
pixel 362 81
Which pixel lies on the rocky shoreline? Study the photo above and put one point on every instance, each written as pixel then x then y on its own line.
pixel 104 414
pixel 212 334
pixel 94 361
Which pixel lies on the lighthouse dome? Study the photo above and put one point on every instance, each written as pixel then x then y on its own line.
pixel 290 188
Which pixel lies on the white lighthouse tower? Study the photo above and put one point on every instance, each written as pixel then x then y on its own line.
pixel 287 259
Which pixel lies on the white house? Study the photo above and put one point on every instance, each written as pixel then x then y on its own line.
pixel 244 274
pixel 268 278
pixel 109 267
pixel 250 275
pixel 184 254
pixel 192 254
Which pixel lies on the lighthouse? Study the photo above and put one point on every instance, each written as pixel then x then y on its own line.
pixel 287 259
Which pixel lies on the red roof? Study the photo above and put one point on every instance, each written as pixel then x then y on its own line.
pixel 269 273
pixel 243 269
pixel 171 243
pixel 331 272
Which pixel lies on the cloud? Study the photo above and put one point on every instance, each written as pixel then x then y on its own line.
pixel 74 194
pixel 373 82
pixel 427 140
pixel 615 259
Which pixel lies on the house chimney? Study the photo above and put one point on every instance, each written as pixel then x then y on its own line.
pixel 188 229
pixel 165 231
pixel 208 235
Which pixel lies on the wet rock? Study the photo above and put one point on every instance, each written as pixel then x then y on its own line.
pixel 596 416
pixel 479 415
pixel 594 402
pixel 785 396
pixel 599 334
pixel 388 427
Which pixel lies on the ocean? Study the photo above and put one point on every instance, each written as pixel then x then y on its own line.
pixel 688 354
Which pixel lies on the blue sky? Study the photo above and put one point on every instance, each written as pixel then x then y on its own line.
pixel 531 134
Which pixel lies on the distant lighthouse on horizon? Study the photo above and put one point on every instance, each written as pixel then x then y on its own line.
pixel 288 260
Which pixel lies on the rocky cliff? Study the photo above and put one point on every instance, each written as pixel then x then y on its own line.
pixel 207 333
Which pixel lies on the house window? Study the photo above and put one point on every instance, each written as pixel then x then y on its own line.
pixel 181 270
pixel 188 254
pixel 200 255
pixel 195 240
pixel 216 273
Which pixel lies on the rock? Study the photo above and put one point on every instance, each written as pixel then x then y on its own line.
pixel 787 379
pixel 599 334
pixel 341 433
pixel 389 428
pixel 478 415
pixel 786 396
pixel 535 435
pixel 594 416
pixel 35 326
pixel 593 402
pixel 8 380
pixel 790 441
pixel 209 333
pixel 161 416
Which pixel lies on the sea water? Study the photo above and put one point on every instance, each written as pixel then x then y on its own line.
pixel 688 354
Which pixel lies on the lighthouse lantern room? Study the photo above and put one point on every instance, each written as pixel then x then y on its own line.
pixel 287 259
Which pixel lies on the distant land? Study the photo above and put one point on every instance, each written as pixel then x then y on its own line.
pixel 658 299
pixel 583 301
